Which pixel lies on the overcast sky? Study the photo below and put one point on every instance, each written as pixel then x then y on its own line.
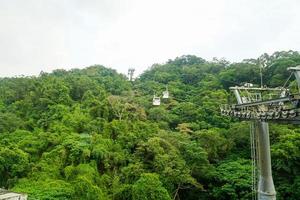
pixel 38 35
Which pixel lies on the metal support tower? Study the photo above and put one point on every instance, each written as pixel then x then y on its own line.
pixel 266 188
pixel 130 73
pixel 252 105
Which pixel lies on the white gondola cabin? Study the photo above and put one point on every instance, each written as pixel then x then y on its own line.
pixel 165 94
pixel 156 101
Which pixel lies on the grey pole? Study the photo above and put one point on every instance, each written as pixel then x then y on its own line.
pixel 130 73
pixel 266 189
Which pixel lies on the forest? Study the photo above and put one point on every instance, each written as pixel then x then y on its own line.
pixel 92 134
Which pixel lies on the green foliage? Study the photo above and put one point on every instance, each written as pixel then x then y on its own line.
pixel 13 164
pixel 91 134
pixel 149 187
pixel 214 143
pixel 9 122
pixel 234 180
pixel 47 189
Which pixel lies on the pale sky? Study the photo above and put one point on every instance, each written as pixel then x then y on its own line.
pixel 42 35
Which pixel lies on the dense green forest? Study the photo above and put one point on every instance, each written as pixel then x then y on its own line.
pixel 91 134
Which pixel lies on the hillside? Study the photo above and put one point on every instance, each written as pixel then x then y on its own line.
pixel 91 134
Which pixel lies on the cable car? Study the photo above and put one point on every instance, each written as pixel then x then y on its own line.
pixel 156 101
pixel 165 94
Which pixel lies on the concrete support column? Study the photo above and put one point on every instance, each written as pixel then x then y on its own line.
pixel 266 189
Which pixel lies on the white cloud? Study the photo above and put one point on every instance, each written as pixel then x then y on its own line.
pixel 44 35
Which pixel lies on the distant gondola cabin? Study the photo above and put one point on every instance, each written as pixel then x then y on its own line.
pixel 156 101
